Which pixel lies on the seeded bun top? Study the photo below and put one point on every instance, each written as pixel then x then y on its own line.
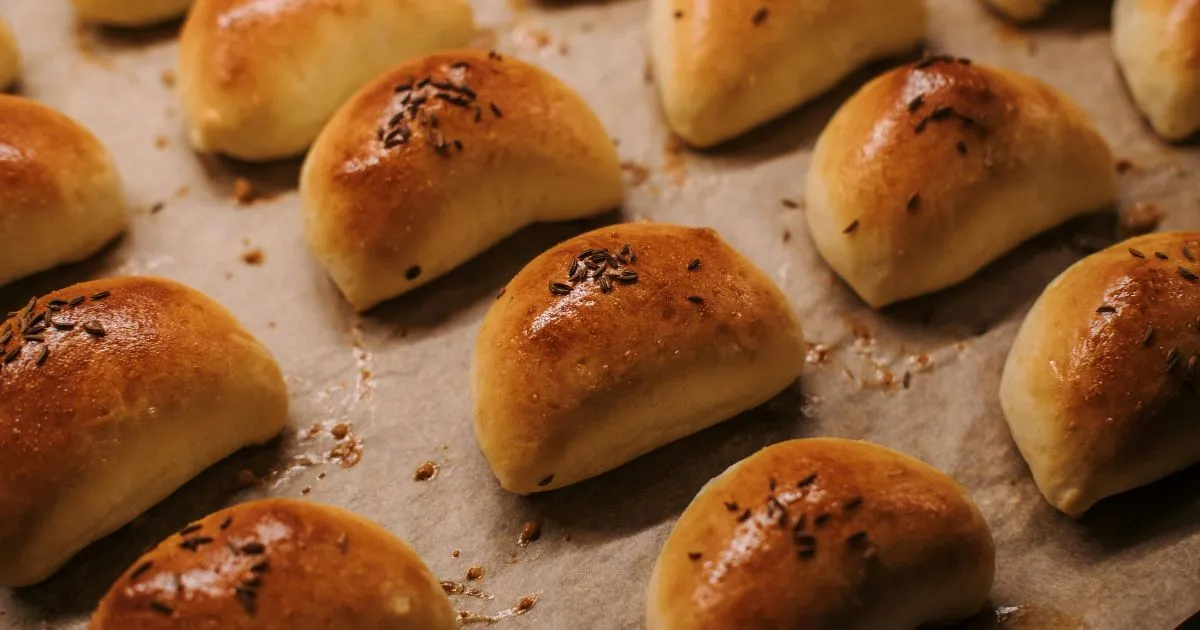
pixel 823 533
pixel 277 563
pixel 1100 385
pixel 663 330
pixel 441 158
pixel 935 169
pixel 259 78
pixel 115 393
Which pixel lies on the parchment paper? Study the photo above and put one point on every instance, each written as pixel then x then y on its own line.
pixel 398 377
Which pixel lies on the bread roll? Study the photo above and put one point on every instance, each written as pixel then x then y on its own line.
pixel 572 379
pixel 1021 10
pixel 260 78
pixel 61 199
pixel 278 563
pixel 824 534
pixel 934 170
pixel 724 67
pixel 1157 43
pixel 443 157
pixel 10 57
pixel 1100 385
pixel 116 392
pixel 130 13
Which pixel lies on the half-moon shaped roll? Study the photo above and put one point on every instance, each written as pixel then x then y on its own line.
pixel 1100 387
pixel 277 563
pixel 1021 10
pixel 726 66
pixel 260 78
pixel 934 170
pixel 130 13
pixel 622 340
pixel 824 534
pixel 61 199
pixel 1157 43
pixel 117 392
pixel 443 157
pixel 10 57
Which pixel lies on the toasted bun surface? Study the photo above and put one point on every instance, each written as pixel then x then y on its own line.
pixel 725 66
pixel 570 382
pixel 61 199
pixel 278 563
pixel 822 534
pixel 443 157
pixel 933 170
pixel 260 78
pixel 1157 43
pixel 1099 387
pixel 113 401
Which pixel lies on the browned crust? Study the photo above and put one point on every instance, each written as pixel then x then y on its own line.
pixel 824 533
pixel 277 563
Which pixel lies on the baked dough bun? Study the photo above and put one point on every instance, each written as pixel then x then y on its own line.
pixel 574 379
pixel 116 392
pixel 260 78
pixel 1021 10
pixel 824 534
pixel 726 66
pixel 934 170
pixel 1157 45
pixel 130 13
pixel 10 56
pixel 1100 385
pixel 443 157
pixel 61 199
pixel 277 563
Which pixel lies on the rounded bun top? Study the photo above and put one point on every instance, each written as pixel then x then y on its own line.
pixel 74 364
pixel 824 533
pixel 1156 43
pixel 277 563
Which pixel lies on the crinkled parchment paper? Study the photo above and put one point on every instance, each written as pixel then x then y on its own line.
pixel 921 377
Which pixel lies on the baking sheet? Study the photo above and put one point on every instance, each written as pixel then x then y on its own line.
pixel 921 376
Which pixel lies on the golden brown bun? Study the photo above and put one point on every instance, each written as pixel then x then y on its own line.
pixel 61 199
pixel 1021 10
pixel 277 563
pixel 122 399
pixel 1096 406
pixel 569 386
pixel 1157 44
pixel 260 78
pixel 933 170
pixel 385 216
pixel 10 57
pixel 726 66
pixel 130 13
pixel 823 534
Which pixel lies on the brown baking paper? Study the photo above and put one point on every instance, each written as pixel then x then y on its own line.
pixel 921 377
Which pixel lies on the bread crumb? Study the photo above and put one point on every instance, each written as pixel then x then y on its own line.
pixel 168 78
pixel 321 475
pixel 340 430
pixel 638 173
pixel 456 553
pixel 530 533
pixel 243 191
pixel 1142 219
pixel 426 471
pixel 525 604
pixel 787 236
pixel 157 207
pixel 306 490
pixel 1124 165
pixel 246 478
pixel 474 573
pixel 160 142
pixel 253 256
pixel 271 325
